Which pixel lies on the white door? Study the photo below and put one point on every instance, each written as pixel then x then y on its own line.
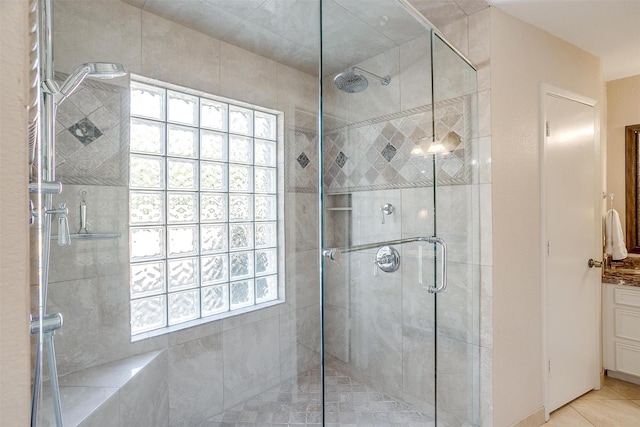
pixel 572 224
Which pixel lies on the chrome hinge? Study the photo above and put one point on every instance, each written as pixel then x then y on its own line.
pixel 547 127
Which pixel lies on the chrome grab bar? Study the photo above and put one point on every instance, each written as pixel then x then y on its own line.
pixel 334 254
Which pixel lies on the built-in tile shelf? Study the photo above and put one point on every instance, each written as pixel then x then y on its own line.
pixel 345 208
pixel 91 236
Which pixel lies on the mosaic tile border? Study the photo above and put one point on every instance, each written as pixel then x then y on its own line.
pixel 391 163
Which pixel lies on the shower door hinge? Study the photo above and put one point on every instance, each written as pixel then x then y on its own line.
pixel 549 366
pixel 547 128
pixel 548 247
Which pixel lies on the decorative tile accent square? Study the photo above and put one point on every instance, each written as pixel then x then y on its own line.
pixel 341 159
pixel 388 152
pixel 452 166
pixel 301 146
pixel 303 160
pixel 85 131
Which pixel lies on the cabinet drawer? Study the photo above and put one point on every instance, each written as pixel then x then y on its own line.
pixel 628 359
pixel 627 324
pixel 627 297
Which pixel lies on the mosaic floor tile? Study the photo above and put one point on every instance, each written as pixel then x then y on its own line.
pixel 298 402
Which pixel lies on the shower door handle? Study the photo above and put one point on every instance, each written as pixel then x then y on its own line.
pixel 443 265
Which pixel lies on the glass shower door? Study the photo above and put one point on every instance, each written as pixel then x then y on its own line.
pixel 378 210
pixel 399 211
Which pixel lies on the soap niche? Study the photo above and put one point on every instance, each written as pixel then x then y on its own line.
pixel 338 213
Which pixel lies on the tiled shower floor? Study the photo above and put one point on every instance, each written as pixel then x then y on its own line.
pixel 298 402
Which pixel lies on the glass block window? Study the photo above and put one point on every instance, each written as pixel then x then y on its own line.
pixel 202 207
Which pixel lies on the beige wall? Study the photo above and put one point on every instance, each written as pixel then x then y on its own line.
pixel 623 103
pixel 14 258
pixel 522 57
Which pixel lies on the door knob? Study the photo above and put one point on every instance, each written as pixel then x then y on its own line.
pixel 593 263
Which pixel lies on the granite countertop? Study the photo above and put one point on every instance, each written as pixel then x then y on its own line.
pixel 625 272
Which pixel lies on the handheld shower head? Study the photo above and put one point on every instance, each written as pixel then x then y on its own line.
pixel 97 70
pixel 352 82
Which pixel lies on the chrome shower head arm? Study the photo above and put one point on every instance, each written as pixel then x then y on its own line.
pixel 383 80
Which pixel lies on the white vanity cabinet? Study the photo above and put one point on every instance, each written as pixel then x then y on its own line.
pixel 621 328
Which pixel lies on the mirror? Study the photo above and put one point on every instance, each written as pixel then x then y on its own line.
pixel 632 145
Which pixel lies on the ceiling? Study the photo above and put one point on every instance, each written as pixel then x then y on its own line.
pixel 287 31
pixel 609 29
pixel 354 30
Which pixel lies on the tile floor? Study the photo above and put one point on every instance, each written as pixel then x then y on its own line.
pixel 349 403
pixel 298 403
pixel 616 404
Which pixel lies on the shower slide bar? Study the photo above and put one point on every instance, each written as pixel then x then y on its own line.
pixel 335 253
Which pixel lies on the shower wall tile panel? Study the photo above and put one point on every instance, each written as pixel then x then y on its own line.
pixel 418 349
pixel 188 49
pixel 379 296
pixel 251 363
pixel 97 156
pixel 377 349
pixel 195 362
pixel 301 148
pixel 455 378
pixel 337 332
pixel 415 73
pixel 366 216
pixel 304 293
pixel 100 30
pixel 144 401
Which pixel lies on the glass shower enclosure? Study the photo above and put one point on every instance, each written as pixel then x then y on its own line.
pixel 272 217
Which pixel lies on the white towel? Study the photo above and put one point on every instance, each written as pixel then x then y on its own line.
pixel 614 239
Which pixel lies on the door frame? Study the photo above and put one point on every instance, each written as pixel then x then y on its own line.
pixel 547 89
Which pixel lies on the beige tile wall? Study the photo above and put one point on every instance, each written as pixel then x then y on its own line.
pixel 239 356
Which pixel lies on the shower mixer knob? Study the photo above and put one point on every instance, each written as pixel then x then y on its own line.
pixel 386 209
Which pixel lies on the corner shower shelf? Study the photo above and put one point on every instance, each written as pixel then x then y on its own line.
pixel 92 236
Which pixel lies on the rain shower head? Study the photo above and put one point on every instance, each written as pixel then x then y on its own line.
pixel 352 82
pixel 97 70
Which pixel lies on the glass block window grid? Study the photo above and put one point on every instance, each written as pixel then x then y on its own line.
pixel 202 207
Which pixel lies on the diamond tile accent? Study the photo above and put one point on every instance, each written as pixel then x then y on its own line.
pixel 85 131
pixel 388 131
pixel 303 160
pixel 389 152
pixel 452 166
pixel 341 159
